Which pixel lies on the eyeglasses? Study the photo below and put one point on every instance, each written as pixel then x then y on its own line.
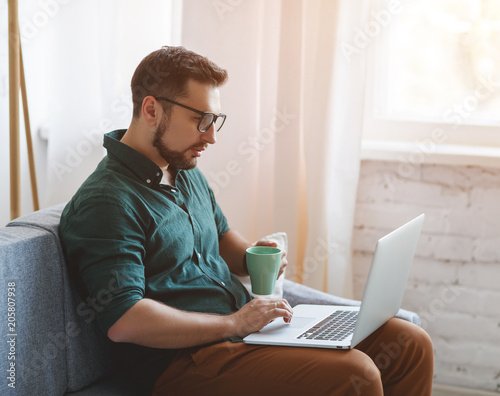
pixel 207 118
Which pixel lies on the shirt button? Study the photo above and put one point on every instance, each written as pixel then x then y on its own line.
pixel 173 190
pixel 157 173
pixel 199 255
pixel 148 181
pixel 223 284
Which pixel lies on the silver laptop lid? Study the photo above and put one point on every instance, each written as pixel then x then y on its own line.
pixel 387 279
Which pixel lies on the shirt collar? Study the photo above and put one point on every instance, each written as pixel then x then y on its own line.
pixel 146 170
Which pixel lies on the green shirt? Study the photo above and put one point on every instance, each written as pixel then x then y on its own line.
pixel 126 237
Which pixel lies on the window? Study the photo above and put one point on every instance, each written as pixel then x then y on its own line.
pixel 434 79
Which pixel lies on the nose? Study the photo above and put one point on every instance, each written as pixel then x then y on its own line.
pixel 209 135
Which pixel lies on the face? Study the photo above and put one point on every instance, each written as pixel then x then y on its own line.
pixel 177 139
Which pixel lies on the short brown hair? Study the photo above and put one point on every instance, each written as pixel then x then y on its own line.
pixel 165 72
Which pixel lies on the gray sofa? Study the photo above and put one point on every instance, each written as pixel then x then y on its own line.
pixel 49 333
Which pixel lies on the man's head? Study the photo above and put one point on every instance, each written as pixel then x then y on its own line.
pixel 165 73
pixel 176 106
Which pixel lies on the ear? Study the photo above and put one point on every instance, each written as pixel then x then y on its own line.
pixel 151 111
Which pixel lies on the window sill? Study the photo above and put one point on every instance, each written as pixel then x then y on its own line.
pixel 430 153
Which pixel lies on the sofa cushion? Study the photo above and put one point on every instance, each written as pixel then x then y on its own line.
pixel 109 386
pixel 81 343
pixel 39 346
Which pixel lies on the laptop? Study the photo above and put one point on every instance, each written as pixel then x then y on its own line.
pixel 341 327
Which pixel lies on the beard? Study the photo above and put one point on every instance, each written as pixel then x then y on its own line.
pixel 174 158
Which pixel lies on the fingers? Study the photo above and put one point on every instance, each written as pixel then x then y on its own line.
pixel 254 315
pixel 281 308
pixel 266 242
pixel 284 263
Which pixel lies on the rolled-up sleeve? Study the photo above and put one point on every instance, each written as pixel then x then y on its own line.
pixel 103 242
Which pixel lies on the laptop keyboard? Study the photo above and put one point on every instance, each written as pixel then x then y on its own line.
pixel 335 327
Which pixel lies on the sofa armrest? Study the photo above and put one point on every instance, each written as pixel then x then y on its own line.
pixel 296 293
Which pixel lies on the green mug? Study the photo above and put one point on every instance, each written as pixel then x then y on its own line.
pixel 263 264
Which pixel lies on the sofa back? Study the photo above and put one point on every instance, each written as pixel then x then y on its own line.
pixel 53 344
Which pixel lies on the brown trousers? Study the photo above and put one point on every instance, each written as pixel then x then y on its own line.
pixel 397 359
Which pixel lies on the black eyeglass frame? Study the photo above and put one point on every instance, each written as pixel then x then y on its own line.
pixel 202 113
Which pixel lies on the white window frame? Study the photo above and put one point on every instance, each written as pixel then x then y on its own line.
pixel 455 140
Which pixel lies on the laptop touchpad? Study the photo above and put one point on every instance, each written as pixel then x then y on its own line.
pixel 302 321
pixel 279 325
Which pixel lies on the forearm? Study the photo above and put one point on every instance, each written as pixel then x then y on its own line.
pixel 232 248
pixel 153 324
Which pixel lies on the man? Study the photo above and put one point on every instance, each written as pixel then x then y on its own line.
pixel 146 232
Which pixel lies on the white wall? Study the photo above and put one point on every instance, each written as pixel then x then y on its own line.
pixel 455 280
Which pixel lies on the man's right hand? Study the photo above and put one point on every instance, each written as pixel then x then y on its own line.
pixel 258 313
pixel 156 325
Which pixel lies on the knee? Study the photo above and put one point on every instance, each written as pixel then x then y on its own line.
pixel 417 345
pixel 404 342
pixel 365 377
pixel 423 343
pixel 413 334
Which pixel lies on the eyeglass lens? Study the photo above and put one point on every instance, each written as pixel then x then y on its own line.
pixel 207 120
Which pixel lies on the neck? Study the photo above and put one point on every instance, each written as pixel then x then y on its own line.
pixel 141 140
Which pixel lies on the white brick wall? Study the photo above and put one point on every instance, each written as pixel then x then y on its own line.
pixel 455 280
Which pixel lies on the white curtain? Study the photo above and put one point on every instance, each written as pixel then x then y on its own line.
pixel 79 57
pixel 91 50
pixel 288 157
